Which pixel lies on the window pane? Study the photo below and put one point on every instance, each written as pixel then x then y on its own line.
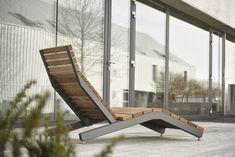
pixel 81 24
pixel 189 64
pixel 230 78
pixel 119 53
pixel 150 56
pixel 217 74
pixel 25 28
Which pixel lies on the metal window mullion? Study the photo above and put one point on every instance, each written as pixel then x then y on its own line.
pixel 107 48
pixel 56 22
pixel 56 44
pixel 166 82
pixel 223 71
pixel 210 73
pixel 132 53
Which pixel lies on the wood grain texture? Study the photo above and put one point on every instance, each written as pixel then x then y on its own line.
pixel 175 116
pixel 56 49
pixel 58 55
pixel 183 120
pixel 122 117
pixel 61 61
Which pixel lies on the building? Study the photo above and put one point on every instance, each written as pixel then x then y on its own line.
pixel 174 54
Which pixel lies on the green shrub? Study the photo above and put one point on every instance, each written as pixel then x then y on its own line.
pixel 36 143
pixel 33 141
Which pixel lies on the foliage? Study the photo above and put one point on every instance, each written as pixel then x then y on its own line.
pixel 33 141
pixel 36 143
pixel 181 88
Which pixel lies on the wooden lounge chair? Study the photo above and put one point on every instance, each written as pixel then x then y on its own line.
pixel 63 71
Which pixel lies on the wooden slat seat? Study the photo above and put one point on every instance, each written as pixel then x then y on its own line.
pixel 123 117
pixel 64 78
pixel 61 61
pixel 62 68
pixel 124 113
pixel 58 55
pixel 56 49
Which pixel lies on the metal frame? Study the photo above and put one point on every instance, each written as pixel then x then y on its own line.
pixel 70 126
pixel 90 134
pixel 56 44
pixel 132 53
pixel 210 72
pixel 166 82
pixel 89 92
pixel 223 71
pixel 107 48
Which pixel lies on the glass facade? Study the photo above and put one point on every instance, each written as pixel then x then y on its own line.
pixel 216 74
pixel 28 26
pixel 229 78
pixel 188 77
pixel 81 24
pixel 119 55
pixel 150 56
pixel 25 28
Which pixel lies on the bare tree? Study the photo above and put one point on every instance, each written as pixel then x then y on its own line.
pixel 83 22
pixel 181 88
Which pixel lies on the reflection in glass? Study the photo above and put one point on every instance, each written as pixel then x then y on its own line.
pixel 216 74
pixel 81 24
pixel 230 78
pixel 150 57
pixel 119 54
pixel 189 67
pixel 25 28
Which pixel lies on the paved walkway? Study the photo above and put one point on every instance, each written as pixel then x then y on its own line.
pixel 218 141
